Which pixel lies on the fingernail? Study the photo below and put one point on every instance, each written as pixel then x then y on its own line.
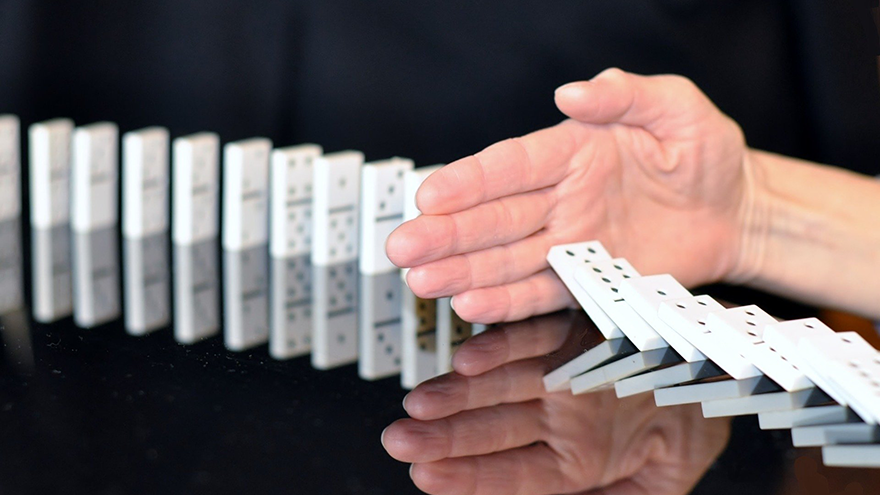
pixel 382 438
pixel 411 466
pixel 570 90
pixel 452 302
pixel 404 402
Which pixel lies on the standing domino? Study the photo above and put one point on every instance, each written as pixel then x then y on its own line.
pixel 145 177
pixel 601 280
pixel 336 205
pixel 10 168
pixel 383 204
pixel 291 200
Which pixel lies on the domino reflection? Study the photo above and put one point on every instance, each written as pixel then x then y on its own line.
pixel 15 337
pixel 196 291
pixel 11 266
pixel 51 285
pixel 418 339
pixel 147 287
pixel 246 297
pixel 291 307
pixel 335 314
pixel 380 325
pixel 96 294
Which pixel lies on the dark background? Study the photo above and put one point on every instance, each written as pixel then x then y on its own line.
pixel 101 412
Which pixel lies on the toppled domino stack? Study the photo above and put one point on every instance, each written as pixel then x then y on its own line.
pixel 686 348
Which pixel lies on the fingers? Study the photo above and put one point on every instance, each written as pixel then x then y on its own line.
pixel 540 293
pixel 498 222
pixel 452 393
pixel 532 470
pixel 477 432
pixel 653 102
pixel 518 165
pixel 512 342
pixel 497 265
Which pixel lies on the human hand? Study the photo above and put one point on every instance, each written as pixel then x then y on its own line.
pixel 647 165
pixel 491 428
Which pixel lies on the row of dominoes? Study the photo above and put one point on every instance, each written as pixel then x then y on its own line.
pixel 314 218
pixel 736 361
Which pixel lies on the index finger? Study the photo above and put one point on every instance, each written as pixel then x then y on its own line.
pixel 512 166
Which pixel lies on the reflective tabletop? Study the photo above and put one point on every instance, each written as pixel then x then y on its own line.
pixel 164 382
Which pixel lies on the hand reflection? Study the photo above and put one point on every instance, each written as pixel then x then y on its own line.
pixel 489 427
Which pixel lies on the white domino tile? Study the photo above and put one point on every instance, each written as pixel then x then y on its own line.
pixel 452 331
pixel 246 194
pixel 604 376
pixel 94 177
pixel 851 369
pixel 807 416
pixel 689 317
pixel 49 165
pixel 602 353
pixel 601 280
pixel 245 297
pixel 867 456
pixel 10 167
pixel 335 315
pixel 743 329
pixel 418 339
pixel 849 433
pixel 783 337
pixel 412 181
pixel 758 403
pixel 145 182
pixel 291 306
pixel 666 377
pixel 645 294
pixel 336 207
pixel 195 188
pixel 566 259
pixel 292 188
pixel 381 323
pixel 382 197
pixel 713 390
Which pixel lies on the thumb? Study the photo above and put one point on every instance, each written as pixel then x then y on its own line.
pixel 657 103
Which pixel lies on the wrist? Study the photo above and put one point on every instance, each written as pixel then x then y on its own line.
pixel 752 223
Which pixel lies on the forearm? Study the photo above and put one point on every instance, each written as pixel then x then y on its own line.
pixel 811 233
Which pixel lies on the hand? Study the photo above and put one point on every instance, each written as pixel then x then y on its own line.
pixel 647 165
pixel 490 428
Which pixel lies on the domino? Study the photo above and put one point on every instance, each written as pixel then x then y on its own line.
pixel 689 317
pixel 452 331
pixel 291 300
pixel 845 360
pixel 335 315
pixel 147 284
pixel 382 210
pixel 819 435
pixel 418 340
pixel 11 266
pixel 246 194
pixel 246 297
pixel 336 207
pixel 666 377
pixel 766 402
pixel 566 259
pixel 52 280
pixel 10 168
pixel 94 176
pixel 291 200
pixel 867 456
pixel 601 280
pixel 195 189
pixel 605 352
pixel 713 391
pixel 412 181
pixel 49 165
pixel 96 294
pixel 605 376
pixel 742 329
pixel 644 295
pixel 381 324
pixel 196 281
pixel 808 416
pixel 145 182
